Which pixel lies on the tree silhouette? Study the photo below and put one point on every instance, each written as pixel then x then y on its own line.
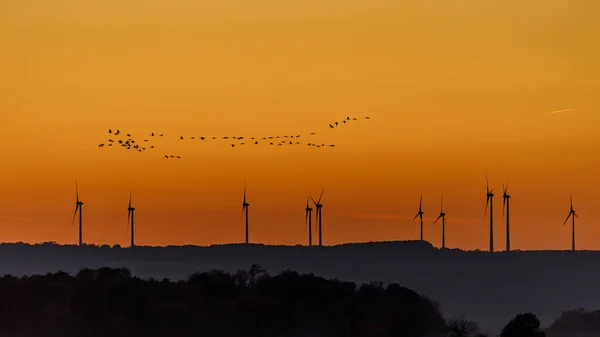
pixel 461 327
pixel 112 302
pixel 523 325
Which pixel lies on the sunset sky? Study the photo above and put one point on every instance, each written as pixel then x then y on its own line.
pixel 454 89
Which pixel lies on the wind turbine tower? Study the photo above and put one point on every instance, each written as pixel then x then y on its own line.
pixel 572 215
pixel 443 217
pixel 489 196
pixel 245 205
pixel 319 216
pixel 506 203
pixel 420 215
pixel 308 221
pixel 78 207
pixel 130 221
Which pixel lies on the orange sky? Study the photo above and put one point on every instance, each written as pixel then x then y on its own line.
pixel 454 89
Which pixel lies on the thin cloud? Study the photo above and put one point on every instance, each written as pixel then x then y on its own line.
pixel 564 110
pixel 17 218
pixel 382 216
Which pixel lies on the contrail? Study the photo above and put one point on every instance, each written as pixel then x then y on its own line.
pixel 565 110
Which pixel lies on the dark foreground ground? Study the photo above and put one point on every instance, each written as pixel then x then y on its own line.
pixel 487 288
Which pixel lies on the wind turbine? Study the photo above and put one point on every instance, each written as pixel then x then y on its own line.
pixel 319 216
pixel 506 203
pixel 489 196
pixel 308 221
pixel 443 217
pixel 130 220
pixel 572 215
pixel 245 210
pixel 78 207
pixel 420 215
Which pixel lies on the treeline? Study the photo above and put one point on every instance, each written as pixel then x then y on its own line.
pixel 111 303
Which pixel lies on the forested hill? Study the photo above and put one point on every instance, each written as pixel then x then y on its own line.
pixel 488 288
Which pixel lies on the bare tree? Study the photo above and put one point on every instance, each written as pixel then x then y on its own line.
pixel 461 327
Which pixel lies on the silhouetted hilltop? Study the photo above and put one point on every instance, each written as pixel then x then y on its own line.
pixel 469 282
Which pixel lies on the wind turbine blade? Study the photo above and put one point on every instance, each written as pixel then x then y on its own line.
pixel 487 200
pixel 75 214
pixel 314 202
pixel 306 222
pixel 130 198
pixel 321 195
pixel 568 216
pixel 571 200
pixel 244 191
pixel 243 209
pixel 503 205
pixel 487 186
pixel 577 216
pixel 436 220
pixel 76 191
pixel 442 204
pixel 416 215
pixel 421 203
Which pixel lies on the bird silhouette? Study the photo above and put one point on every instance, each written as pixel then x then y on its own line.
pixel 331 126
pixel 109 130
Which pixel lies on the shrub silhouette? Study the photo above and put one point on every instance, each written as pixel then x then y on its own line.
pixel 523 325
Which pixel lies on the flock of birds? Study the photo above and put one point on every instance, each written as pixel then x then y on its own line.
pixel 125 140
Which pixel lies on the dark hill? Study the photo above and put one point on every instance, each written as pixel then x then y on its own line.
pixel 488 288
